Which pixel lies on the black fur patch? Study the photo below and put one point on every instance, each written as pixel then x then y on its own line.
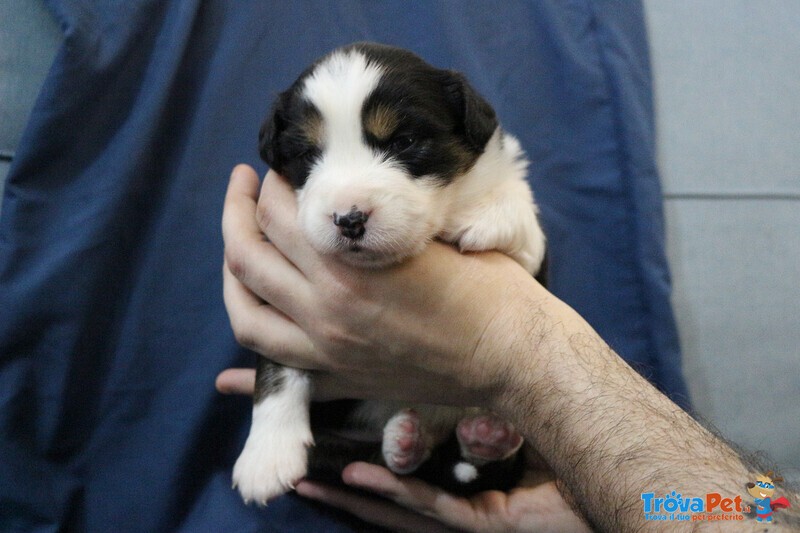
pixel 269 379
pixel 429 120
pixel 290 139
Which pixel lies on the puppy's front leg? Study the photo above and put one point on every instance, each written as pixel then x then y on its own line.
pixel 275 456
pixel 505 220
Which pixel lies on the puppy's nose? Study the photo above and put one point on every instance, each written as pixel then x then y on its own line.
pixel 351 225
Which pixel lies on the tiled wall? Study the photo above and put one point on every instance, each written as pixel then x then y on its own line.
pixel 727 85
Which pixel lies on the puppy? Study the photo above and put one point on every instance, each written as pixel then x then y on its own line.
pixel 387 153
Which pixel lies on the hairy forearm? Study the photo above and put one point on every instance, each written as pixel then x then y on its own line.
pixel 606 432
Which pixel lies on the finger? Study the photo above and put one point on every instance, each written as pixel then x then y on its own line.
pixel 263 329
pixel 277 217
pixel 236 381
pixel 411 493
pixel 371 510
pixel 255 262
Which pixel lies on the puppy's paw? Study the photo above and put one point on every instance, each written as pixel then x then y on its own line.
pixel 510 226
pixel 404 443
pixel 485 438
pixel 272 462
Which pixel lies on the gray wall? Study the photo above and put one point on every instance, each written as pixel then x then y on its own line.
pixel 727 82
pixel 28 40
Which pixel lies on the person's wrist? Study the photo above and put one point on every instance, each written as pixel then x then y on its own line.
pixel 509 352
pixel 536 338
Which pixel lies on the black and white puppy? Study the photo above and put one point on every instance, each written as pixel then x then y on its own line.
pixel 387 153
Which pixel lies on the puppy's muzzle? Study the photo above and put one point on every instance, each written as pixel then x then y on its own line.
pixel 351 225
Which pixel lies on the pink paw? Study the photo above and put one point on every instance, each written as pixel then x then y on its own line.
pixel 485 438
pixel 404 445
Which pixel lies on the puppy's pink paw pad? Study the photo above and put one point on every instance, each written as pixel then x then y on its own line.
pixel 404 445
pixel 485 438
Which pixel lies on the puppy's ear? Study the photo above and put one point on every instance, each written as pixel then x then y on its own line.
pixel 476 116
pixel 271 130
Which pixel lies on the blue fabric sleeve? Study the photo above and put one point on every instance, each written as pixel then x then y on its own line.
pixel 112 326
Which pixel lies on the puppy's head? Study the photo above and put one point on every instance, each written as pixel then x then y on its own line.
pixel 370 136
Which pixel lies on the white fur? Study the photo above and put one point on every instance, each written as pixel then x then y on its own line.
pixel 402 213
pixel 493 207
pixel 275 455
pixel 465 472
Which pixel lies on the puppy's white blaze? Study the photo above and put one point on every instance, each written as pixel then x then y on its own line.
pixel 338 88
pixel 275 455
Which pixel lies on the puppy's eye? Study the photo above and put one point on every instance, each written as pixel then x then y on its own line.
pixel 402 143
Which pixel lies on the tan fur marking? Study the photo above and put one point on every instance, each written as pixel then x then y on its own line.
pixel 381 121
pixel 313 129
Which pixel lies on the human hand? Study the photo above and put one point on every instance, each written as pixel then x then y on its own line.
pixel 408 504
pixel 433 329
